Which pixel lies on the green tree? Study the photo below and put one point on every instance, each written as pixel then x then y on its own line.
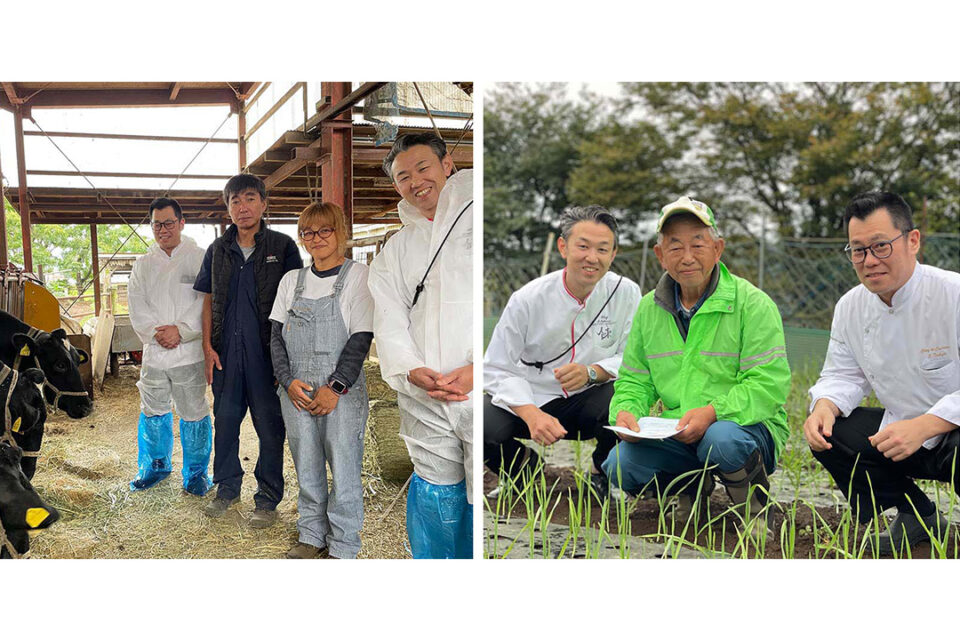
pixel 65 248
pixel 532 137
pixel 799 152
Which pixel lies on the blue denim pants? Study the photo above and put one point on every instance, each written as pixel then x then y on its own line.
pixel 633 465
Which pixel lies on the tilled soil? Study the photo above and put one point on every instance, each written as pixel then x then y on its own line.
pixel 644 523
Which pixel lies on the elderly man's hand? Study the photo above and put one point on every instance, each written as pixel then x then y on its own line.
pixel 627 419
pixel 695 423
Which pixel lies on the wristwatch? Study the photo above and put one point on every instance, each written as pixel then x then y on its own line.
pixel 591 375
pixel 338 387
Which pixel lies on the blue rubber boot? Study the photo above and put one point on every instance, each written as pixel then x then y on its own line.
pixel 439 520
pixel 196 438
pixel 154 449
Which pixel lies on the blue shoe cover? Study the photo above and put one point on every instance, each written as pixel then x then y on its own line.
pixel 154 449
pixel 439 520
pixel 196 438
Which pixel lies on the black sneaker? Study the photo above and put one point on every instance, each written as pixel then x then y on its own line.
pixel 906 528
pixel 600 485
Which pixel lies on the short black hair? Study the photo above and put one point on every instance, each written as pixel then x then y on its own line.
pixel 163 203
pixel 240 183
pixel 407 140
pixel 866 203
pixel 591 213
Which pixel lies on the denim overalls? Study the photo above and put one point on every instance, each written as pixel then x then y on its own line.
pixel 315 334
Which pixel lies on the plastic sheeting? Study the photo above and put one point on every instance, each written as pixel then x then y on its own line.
pixel 439 520
pixel 154 450
pixel 196 438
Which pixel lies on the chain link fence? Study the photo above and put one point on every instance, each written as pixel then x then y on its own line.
pixel 805 277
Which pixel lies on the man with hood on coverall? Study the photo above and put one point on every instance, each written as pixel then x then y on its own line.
pixel 421 283
pixel 166 313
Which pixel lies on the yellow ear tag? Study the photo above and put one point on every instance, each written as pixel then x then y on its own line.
pixel 25 351
pixel 35 516
pixel 16 425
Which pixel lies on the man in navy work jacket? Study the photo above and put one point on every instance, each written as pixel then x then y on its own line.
pixel 240 274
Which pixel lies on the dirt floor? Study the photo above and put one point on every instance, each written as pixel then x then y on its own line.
pixel 86 466
pixel 644 522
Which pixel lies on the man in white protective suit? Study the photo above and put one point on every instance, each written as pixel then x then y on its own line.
pixel 421 283
pixel 166 312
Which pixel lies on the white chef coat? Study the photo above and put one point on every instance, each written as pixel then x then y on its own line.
pixel 160 293
pixel 908 353
pixel 540 321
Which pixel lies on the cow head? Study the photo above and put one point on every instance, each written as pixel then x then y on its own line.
pixel 28 410
pixel 21 509
pixel 60 363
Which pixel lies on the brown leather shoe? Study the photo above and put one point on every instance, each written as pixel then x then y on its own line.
pixel 263 518
pixel 304 551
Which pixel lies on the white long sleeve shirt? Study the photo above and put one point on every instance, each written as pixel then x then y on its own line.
pixel 438 332
pixel 540 321
pixel 161 293
pixel 908 353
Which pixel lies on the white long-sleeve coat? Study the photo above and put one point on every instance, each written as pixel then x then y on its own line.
pixel 437 332
pixel 540 321
pixel 161 293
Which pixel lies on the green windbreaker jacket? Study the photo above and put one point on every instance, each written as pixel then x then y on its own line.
pixel 734 358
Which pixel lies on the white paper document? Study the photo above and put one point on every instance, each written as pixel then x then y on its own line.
pixel 651 428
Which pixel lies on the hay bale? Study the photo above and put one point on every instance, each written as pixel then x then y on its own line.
pixel 389 447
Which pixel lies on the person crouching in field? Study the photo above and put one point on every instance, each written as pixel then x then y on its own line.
pixel 166 313
pixel 322 326
pixel 897 333
pixel 710 346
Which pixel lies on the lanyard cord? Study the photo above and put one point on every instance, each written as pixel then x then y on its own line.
pixel 539 364
pixel 420 287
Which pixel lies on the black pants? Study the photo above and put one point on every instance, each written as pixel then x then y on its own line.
pixel 891 482
pixel 240 385
pixel 583 415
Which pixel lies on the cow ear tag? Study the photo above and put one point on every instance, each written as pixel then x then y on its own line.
pixel 25 351
pixel 16 425
pixel 35 516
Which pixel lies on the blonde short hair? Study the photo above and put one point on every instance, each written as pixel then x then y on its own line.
pixel 325 214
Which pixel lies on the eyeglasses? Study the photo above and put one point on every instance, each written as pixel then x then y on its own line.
pixel 308 235
pixel 879 250
pixel 167 224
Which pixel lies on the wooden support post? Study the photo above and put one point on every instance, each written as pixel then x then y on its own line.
pixel 95 250
pixel 4 259
pixel 24 200
pixel 336 174
pixel 242 137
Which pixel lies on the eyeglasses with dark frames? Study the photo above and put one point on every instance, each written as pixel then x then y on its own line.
pixel 166 224
pixel 880 250
pixel 308 234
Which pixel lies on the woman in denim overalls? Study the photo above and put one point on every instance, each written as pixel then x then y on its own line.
pixel 322 323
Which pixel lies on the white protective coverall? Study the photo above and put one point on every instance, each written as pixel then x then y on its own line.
pixel 161 293
pixel 436 333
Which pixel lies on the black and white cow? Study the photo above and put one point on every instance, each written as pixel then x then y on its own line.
pixel 21 509
pixel 24 413
pixel 23 347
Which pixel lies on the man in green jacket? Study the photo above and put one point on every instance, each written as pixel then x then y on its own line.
pixel 710 346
